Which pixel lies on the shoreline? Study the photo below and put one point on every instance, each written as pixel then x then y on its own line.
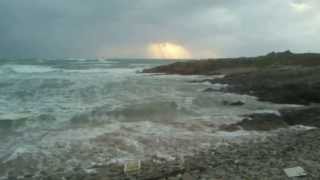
pixel 284 78
pixel 290 145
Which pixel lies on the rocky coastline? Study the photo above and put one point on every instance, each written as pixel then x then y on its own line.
pixel 285 78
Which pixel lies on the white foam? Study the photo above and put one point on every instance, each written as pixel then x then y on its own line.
pixel 16 153
pixel 14 116
pixel 91 70
pixel 111 71
pixel 268 111
pixel 218 86
pixel 218 76
pixel 207 83
pixel 226 134
pixel 301 128
pixel 77 59
pixel 79 134
pixel 29 68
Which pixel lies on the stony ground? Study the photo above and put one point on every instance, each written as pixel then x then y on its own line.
pixel 265 159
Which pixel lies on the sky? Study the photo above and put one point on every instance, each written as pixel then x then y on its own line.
pixel 156 28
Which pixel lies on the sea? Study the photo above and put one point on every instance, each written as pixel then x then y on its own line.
pixel 71 113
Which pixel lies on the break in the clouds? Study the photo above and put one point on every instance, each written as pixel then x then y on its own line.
pixel 127 28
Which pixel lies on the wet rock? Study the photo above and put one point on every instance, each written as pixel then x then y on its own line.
pixel 286 86
pixel 308 116
pixel 262 122
pixel 230 127
pixel 235 103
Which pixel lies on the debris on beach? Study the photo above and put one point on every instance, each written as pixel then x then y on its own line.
pixel 132 166
pixel 295 172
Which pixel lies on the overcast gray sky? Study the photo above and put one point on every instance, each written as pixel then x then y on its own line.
pixel 125 28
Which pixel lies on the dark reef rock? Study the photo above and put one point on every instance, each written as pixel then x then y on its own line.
pixel 235 103
pixel 308 116
pixel 262 122
pixel 230 127
pixel 288 86
pixel 278 77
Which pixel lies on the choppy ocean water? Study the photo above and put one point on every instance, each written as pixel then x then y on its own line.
pixel 71 113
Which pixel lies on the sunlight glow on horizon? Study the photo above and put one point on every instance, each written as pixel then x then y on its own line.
pixel 300 7
pixel 167 50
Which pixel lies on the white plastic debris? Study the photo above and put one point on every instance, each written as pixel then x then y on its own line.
pixel 165 157
pixel 91 171
pixel 295 172
pixel 132 166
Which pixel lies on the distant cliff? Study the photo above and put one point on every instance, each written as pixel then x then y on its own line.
pixel 236 65
pixel 278 77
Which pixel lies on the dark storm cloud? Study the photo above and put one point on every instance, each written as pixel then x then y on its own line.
pixel 124 28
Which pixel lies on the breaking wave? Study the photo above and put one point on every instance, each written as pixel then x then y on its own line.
pixel 26 69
